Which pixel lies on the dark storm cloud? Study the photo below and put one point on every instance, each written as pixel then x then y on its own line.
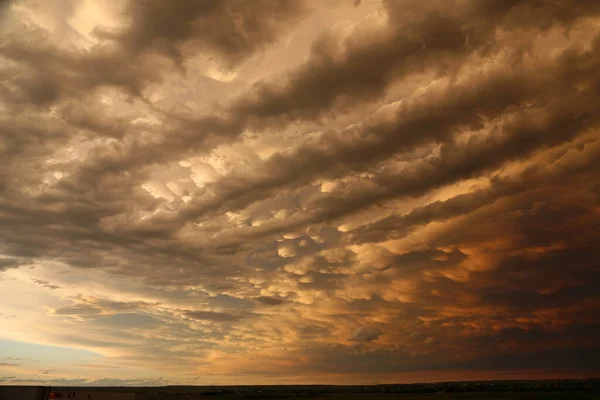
pixel 528 279
pixel 424 40
pixel 432 118
pixel 456 162
pixel 532 220
pixel 52 73
pixel 570 359
pixel 233 29
pixel 519 137
pixel 396 226
pixel 420 36
pixel 341 360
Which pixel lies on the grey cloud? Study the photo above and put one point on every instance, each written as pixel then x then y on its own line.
pixel 6 263
pixel 111 305
pixel 457 163
pixel 509 146
pixel 224 301
pixel 126 382
pixel 396 226
pixel 78 311
pixel 365 334
pixel 232 29
pixel 46 284
pixel 510 282
pixel 64 382
pixel 484 152
pixel 433 117
pixel 309 331
pixel 269 301
pixel 526 214
pixel 212 316
pixel 416 41
pixel 569 359
pixel 129 320
pixel 59 73
pixel 59 381
pixel 323 75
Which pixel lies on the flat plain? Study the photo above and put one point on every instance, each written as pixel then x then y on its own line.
pixel 501 390
pixel 390 396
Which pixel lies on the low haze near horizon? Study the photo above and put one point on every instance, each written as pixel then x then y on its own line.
pixel 299 191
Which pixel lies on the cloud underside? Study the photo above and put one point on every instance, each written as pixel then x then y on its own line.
pixel 416 187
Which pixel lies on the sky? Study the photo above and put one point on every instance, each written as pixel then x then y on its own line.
pixel 300 191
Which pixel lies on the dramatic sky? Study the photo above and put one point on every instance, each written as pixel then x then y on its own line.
pixel 298 191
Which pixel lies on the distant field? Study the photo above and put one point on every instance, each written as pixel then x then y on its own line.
pixel 390 396
pixel 482 390
pixel 342 396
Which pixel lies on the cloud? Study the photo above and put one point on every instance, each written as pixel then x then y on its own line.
pixel 129 320
pixel 232 30
pixel 80 310
pixel 411 189
pixel 431 36
pixel 365 334
pixel 46 284
pixel 8 262
pixel 62 382
pixel 211 316
pixel 430 116
pixel 326 73
pixel 269 301
pixel 397 225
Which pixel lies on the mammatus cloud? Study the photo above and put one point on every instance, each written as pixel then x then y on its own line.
pixel 279 192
